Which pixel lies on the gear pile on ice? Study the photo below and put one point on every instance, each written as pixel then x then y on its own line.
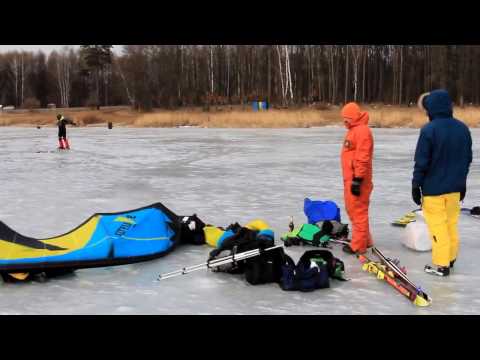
pixel 324 225
pixel 271 265
pixel 250 251
pixel 316 235
pixel 235 258
pixel 247 250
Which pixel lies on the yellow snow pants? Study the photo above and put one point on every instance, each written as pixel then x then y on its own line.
pixel 441 215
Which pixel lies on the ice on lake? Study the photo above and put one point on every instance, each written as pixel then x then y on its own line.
pixel 223 175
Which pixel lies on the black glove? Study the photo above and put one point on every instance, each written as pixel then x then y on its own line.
pixel 462 194
pixel 417 195
pixel 355 188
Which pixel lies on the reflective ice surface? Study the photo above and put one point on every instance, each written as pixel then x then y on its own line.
pixel 223 175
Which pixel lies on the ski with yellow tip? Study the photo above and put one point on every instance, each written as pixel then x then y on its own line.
pixel 406 219
pixel 389 272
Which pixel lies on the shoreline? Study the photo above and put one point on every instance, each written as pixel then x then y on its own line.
pixel 306 117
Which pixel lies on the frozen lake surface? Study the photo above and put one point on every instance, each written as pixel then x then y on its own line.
pixel 223 175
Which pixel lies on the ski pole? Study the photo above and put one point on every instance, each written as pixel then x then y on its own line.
pixel 208 264
pixel 215 263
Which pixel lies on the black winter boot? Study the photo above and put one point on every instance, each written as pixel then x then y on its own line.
pixel 439 271
pixel 348 249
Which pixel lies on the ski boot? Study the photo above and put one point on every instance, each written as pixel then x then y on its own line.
pixel 347 249
pixel 439 271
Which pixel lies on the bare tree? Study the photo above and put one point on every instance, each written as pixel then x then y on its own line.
pixel 281 72
pixel 15 72
pixel 346 75
pixel 22 78
pixel 288 71
pixel 129 94
pixel 64 77
pixel 356 53
pixel 211 69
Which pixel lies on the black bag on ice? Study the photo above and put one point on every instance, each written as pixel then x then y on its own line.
pixel 265 268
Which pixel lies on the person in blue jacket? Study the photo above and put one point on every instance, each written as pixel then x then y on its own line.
pixel 442 161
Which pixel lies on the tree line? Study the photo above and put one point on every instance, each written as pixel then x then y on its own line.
pixel 172 76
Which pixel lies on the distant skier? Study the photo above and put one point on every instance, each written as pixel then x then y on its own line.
pixel 442 161
pixel 357 154
pixel 62 131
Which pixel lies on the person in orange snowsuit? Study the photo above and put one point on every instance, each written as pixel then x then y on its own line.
pixel 357 154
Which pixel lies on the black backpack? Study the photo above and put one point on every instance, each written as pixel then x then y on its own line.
pixel 305 277
pixel 475 210
pixel 191 230
pixel 265 268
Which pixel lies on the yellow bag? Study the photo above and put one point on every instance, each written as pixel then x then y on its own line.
pixel 212 235
pixel 257 225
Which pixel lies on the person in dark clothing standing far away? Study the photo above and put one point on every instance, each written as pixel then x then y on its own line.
pixel 442 161
pixel 62 131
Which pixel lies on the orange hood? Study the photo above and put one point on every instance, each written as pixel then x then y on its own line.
pixel 354 116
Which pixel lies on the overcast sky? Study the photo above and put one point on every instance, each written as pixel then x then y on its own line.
pixel 45 48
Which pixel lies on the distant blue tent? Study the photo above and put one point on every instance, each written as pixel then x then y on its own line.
pixel 317 211
pixel 259 105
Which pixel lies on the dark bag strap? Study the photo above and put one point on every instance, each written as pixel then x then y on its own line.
pixel 288 261
pixel 332 261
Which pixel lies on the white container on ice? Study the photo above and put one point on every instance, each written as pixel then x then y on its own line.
pixel 416 235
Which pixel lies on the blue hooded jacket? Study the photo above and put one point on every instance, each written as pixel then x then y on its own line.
pixel 444 149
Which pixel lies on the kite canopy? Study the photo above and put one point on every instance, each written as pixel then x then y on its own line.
pixel 104 239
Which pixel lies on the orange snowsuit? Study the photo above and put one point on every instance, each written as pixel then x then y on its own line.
pixel 357 154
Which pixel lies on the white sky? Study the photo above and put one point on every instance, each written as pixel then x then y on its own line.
pixel 45 48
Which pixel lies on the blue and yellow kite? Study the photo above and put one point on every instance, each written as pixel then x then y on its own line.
pixel 104 239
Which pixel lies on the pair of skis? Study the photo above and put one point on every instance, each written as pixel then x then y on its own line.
pixel 390 272
pixel 406 219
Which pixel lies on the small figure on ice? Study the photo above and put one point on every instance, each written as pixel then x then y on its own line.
pixel 62 131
